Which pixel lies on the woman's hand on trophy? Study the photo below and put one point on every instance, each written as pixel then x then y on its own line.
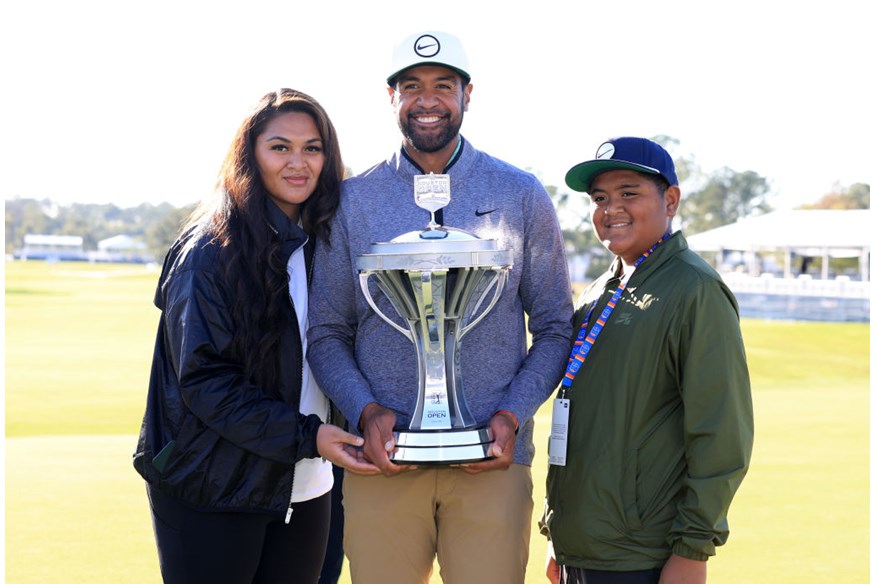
pixel 343 449
pixel 503 427
pixel 376 423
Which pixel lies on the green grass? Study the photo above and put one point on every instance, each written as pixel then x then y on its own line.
pixel 78 348
pixel 789 355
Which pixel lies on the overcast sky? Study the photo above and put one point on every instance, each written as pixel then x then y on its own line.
pixel 108 101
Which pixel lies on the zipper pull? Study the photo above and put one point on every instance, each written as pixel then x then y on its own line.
pixel 291 500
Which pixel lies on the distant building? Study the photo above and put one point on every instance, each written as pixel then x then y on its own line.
pixel 121 248
pixel 805 233
pixel 53 248
pixel 783 289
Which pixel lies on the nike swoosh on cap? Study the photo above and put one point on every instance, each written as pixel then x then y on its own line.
pixel 421 47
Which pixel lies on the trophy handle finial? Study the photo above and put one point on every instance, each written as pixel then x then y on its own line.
pixel 432 192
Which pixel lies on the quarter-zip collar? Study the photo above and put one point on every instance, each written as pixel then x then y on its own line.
pixel 460 145
pixel 457 166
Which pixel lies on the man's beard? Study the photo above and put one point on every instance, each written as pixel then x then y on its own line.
pixel 429 142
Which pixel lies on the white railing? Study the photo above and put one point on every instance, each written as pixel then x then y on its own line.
pixel 841 287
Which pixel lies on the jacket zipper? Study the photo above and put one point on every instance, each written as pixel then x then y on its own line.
pixel 289 509
pixel 291 494
pixel 301 386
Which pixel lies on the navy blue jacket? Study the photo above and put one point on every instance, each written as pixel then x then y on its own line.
pixel 211 437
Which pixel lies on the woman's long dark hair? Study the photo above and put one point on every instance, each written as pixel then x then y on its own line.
pixel 236 220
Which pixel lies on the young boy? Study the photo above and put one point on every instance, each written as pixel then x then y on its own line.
pixel 656 395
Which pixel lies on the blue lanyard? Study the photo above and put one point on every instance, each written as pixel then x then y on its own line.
pixel 584 342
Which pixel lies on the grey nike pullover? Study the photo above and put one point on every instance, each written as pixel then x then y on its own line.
pixel 357 358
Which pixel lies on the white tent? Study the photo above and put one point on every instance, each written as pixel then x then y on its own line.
pixel 813 233
pixel 121 248
pixel 120 244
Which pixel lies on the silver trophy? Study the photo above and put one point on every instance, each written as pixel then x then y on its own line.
pixel 441 282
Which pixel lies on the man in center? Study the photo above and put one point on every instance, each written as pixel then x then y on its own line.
pixel 476 517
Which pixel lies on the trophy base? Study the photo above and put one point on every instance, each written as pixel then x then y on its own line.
pixel 441 447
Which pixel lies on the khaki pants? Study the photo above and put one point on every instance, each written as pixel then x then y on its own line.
pixel 478 525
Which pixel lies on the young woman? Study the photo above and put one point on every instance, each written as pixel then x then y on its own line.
pixel 234 446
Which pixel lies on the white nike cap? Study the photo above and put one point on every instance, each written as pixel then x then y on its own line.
pixel 429 48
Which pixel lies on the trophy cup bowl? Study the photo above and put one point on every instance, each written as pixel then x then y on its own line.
pixel 441 282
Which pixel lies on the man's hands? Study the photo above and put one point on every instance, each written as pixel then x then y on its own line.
pixel 504 429
pixel 377 423
pixel 342 449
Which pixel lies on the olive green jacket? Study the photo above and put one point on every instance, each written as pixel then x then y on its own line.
pixel 661 425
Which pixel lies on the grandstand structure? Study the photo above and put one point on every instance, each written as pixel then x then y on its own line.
pixel 767 261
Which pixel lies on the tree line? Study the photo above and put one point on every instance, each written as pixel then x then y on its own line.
pixel 155 225
pixel 709 200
